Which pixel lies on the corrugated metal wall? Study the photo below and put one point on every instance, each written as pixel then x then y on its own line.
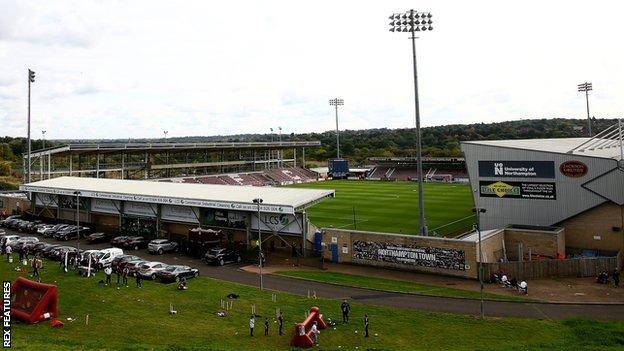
pixel 571 197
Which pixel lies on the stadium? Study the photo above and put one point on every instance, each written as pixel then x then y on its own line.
pixel 573 183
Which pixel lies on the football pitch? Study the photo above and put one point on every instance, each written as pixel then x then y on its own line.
pixel 392 206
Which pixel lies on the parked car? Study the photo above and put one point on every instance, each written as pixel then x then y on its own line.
pixel 134 266
pixel 4 222
pixel 97 238
pixel 60 233
pixel 72 232
pixel 47 250
pixel 119 261
pixel 42 229
pixel 19 245
pixel 149 269
pixel 34 247
pixel 57 253
pixel 10 240
pixel 119 240
pixel 107 257
pixel 175 273
pixel 31 227
pixel 135 243
pixel 220 256
pixel 161 246
pixel 50 232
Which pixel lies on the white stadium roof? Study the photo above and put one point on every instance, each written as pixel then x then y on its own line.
pixel 593 147
pixel 279 200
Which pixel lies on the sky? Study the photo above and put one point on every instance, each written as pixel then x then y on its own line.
pixel 132 69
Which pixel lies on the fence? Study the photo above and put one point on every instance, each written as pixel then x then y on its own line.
pixel 537 269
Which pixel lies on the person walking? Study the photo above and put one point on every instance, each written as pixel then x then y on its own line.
pixel 252 324
pixel 3 248
pixel 616 278
pixel 313 332
pixel 366 326
pixel 138 280
pixel 108 271
pixel 345 308
pixel 266 327
pixel 280 322
pixel 8 251
pixel 125 276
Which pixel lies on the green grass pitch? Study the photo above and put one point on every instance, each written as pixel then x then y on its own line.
pixel 393 206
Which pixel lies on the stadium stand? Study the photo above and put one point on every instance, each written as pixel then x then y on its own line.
pixel 438 169
pixel 275 176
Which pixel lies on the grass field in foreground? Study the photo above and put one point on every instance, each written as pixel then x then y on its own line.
pixel 394 285
pixel 392 206
pixel 137 319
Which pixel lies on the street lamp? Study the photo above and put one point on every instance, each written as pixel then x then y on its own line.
pixel 31 79
pixel 258 202
pixel 279 152
pixel 412 22
pixel 77 193
pixel 586 88
pixel 43 133
pixel 478 211
pixel 337 102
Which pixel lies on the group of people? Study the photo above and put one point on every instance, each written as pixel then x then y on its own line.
pixel 122 277
pixel 345 308
pixel 521 285
pixel 603 277
pixel 280 324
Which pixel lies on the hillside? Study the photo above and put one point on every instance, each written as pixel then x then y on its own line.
pixel 358 145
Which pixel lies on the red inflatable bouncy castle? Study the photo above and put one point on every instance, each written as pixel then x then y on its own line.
pixel 302 330
pixel 33 302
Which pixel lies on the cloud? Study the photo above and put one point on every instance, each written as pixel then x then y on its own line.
pixel 119 69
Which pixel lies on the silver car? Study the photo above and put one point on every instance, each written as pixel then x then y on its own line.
pixel 149 269
pixel 161 246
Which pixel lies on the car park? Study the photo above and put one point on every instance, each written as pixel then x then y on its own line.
pixel 220 256
pixel 98 237
pixel 119 241
pixel 148 270
pixel 135 243
pixel 175 273
pixel 160 246
pixel 72 232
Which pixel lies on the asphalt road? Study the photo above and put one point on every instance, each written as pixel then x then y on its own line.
pixel 232 273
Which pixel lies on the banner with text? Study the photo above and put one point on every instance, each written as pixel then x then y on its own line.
pixel 283 223
pixel 433 257
pixel 105 206
pixel 518 190
pixel 517 169
pixel 179 213
pixel 140 209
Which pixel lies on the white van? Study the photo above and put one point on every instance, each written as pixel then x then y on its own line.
pixel 107 256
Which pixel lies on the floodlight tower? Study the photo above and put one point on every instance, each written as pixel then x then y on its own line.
pixel 31 79
pixel 412 22
pixel 586 88
pixel 337 102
